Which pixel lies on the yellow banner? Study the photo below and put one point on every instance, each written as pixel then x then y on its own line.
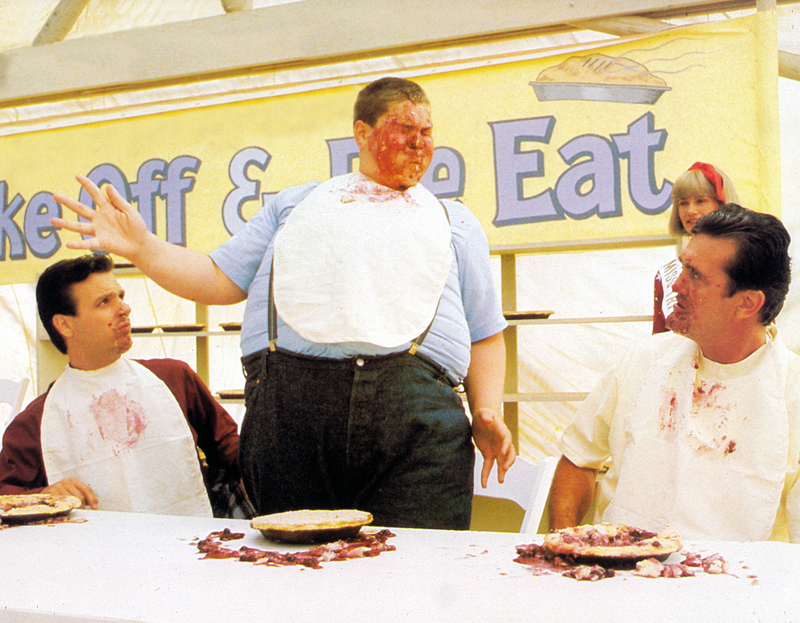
pixel 582 145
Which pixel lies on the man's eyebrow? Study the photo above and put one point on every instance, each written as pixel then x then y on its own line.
pixel 688 264
pixel 104 295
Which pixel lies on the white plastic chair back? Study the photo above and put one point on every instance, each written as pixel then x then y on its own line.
pixel 526 484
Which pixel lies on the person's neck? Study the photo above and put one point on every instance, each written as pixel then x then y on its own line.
pixel 738 348
pixel 375 179
pixel 85 365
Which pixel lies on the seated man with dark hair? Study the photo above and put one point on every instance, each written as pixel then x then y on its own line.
pixel 703 433
pixel 119 434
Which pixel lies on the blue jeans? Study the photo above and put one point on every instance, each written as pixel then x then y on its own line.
pixel 387 435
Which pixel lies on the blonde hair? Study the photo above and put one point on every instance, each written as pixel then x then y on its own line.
pixel 695 183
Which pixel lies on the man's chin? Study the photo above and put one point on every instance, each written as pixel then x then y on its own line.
pixel 124 345
pixel 411 174
pixel 400 184
pixel 409 181
pixel 678 323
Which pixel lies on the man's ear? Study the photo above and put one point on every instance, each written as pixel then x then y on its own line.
pixel 63 324
pixel 360 132
pixel 750 302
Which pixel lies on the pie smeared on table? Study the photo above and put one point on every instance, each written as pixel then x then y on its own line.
pixel 36 507
pixel 363 545
pixel 596 552
pixel 337 533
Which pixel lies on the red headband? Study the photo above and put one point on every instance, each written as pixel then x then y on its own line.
pixel 712 176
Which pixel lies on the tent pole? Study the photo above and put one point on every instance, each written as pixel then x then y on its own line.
pixel 61 21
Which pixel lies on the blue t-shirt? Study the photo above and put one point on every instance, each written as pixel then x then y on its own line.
pixel 469 309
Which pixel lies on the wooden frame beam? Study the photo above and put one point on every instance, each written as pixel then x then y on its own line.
pixel 61 21
pixel 259 40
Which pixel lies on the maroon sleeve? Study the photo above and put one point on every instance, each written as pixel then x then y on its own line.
pixel 214 430
pixel 21 463
pixel 659 323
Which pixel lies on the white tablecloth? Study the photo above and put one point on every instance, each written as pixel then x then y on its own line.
pixel 129 567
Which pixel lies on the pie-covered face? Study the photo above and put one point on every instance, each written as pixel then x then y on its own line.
pixel 704 307
pixel 397 150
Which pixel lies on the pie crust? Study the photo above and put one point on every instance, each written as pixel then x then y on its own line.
pixel 36 506
pixel 608 541
pixel 309 526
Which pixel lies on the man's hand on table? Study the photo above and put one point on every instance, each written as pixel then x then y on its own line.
pixel 72 486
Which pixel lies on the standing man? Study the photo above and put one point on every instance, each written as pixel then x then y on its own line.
pixel 119 434
pixel 367 301
pixel 703 433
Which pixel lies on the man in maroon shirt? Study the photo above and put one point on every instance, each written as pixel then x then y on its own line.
pixel 115 421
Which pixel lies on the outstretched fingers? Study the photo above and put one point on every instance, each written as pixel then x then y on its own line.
pixel 76 206
pixel 81 227
pixel 114 225
pixel 84 228
pixel 94 191
pixel 506 458
pixel 100 200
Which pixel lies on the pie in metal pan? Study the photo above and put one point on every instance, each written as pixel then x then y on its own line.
pixel 15 509
pixel 311 526
pixel 613 542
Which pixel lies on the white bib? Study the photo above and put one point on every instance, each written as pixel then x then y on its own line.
pixel 121 431
pixel 359 262
pixel 709 445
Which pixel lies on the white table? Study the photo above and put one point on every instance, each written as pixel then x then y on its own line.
pixel 128 567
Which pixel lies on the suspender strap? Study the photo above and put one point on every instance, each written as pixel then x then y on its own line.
pixel 272 312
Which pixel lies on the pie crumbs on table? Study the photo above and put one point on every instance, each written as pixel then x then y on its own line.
pixel 596 552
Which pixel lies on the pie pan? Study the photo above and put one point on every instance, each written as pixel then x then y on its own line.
pixel 182 328
pixel 311 526
pixel 628 94
pixel 598 544
pixel 17 509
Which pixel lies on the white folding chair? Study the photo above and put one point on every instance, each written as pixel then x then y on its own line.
pixel 526 484
pixel 12 393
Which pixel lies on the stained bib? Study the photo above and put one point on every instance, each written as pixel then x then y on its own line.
pixel 360 262
pixel 706 440
pixel 121 431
